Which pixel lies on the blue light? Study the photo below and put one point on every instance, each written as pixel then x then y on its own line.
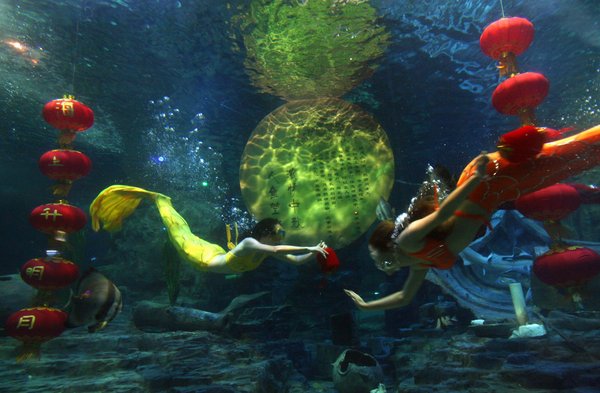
pixel 158 159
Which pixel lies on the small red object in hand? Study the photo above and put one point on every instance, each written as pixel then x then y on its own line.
pixel 330 263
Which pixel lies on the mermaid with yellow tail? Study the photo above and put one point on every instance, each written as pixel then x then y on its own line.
pixel 117 202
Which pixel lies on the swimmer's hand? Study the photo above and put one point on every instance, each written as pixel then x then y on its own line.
pixel 481 165
pixel 319 249
pixel 356 298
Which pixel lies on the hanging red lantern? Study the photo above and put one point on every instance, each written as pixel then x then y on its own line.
pixel 552 203
pixel 330 263
pixel 567 267
pixel 64 164
pixel 520 95
pixel 49 274
pixel 34 326
pixel 53 217
pixel 69 116
pixel 521 144
pixel 505 39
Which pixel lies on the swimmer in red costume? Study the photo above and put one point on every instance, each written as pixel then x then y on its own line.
pixel 431 236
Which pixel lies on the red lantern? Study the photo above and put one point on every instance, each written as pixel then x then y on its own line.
pixel 330 263
pixel 520 95
pixel 68 114
pixel 567 267
pixel 549 204
pixel 34 326
pixel 64 164
pixel 49 273
pixel 506 38
pixel 53 217
pixel 521 144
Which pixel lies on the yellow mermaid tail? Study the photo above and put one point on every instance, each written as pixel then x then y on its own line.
pixel 117 202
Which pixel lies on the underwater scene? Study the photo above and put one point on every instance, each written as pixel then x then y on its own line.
pixel 285 196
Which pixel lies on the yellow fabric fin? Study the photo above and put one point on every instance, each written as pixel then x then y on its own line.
pixel 194 250
pixel 117 202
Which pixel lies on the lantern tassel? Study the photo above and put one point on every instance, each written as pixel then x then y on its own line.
pixel 507 65
pixel 66 138
pixel 29 351
pixel 62 188
pixel 557 232
pixel 527 117
pixel 43 298
pixel 574 295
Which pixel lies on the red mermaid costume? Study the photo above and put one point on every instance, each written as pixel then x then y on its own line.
pixel 557 161
pixel 507 181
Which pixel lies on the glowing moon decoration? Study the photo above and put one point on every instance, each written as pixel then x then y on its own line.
pixel 320 167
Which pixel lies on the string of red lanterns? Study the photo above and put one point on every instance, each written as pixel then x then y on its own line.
pixel 519 94
pixel 563 266
pixel 38 324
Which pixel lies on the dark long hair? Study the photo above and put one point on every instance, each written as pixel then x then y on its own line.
pixel 382 236
pixel 264 227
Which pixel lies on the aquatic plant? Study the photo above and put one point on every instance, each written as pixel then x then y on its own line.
pixel 75 247
pixel 172 265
